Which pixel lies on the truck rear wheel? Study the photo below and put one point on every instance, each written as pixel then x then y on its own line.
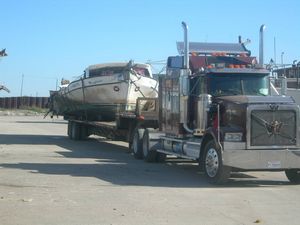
pixel 149 155
pixel 293 175
pixel 215 171
pixel 137 143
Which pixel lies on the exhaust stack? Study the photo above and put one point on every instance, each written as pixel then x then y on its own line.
pixel 184 83
pixel 186 46
pixel 261 44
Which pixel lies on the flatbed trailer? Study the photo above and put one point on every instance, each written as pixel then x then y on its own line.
pixel 122 129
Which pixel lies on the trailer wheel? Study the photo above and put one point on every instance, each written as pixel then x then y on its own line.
pixel 215 171
pixel 83 132
pixel 149 155
pixel 75 131
pixel 160 157
pixel 137 143
pixel 293 175
pixel 70 129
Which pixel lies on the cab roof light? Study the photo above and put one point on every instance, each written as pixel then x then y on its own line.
pixel 219 54
pixel 210 66
pixel 243 55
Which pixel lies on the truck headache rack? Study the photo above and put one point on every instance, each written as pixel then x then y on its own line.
pixel 148 108
pixel 200 48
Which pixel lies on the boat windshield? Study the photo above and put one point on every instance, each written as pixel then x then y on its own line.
pixel 238 84
pixel 141 71
pixel 108 71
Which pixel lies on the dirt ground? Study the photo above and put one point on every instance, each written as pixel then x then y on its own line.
pixel 45 178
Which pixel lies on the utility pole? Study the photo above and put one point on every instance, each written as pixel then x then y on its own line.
pixel 22 85
pixel 282 53
pixel 275 50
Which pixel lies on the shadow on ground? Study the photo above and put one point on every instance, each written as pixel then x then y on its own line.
pixel 43 122
pixel 114 164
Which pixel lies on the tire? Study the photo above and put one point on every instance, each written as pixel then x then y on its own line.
pixel 215 171
pixel 137 143
pixel 70 129
pixel 149 155
pixel 83 132
pixel 160 157
pixel 293 175
pixel 76 128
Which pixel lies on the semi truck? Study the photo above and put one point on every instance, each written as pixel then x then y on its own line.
pixel 215 106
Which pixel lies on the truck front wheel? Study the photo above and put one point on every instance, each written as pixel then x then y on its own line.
pixel 293 175
pixel 215 171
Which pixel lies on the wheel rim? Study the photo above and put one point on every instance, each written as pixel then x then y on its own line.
pixel 212 162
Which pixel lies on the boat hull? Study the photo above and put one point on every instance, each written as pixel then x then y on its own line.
pixel 100 98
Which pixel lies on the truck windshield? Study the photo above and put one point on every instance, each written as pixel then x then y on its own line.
pixel 238 84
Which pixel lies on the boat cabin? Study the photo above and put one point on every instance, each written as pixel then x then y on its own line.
pixel 109 69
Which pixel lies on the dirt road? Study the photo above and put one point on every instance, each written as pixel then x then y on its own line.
pixel 45 178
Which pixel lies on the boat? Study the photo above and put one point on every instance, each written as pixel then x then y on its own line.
pixel 104 90
pixel 289 77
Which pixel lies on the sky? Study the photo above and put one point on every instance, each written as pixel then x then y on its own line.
pixel 54 39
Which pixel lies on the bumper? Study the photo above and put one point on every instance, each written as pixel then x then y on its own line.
pixel 235 155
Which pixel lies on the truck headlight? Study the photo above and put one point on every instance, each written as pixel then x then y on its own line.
pixel 234 137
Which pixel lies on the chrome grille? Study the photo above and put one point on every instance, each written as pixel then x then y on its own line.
pixel 273 128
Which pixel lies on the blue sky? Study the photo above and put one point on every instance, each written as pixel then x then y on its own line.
pixel 54 39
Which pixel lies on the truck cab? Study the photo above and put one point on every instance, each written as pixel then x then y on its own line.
pixel 216 107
